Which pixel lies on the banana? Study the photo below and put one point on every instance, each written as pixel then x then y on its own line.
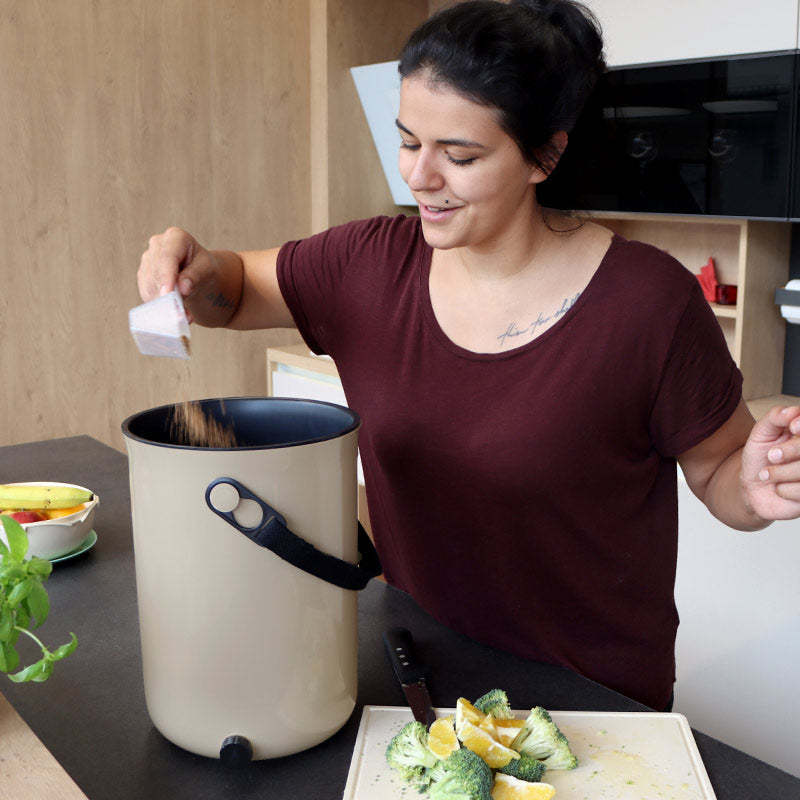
pixel 16 496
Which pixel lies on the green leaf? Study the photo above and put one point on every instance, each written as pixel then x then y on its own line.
pixel 23 618
pixel 20 592
pixel 65 649
pixel 9 657
pixel 16 536
pixel 39 566
pixel 6 624
pixel 12 637
pixel 38 603
pixel 24 600
pixel 45 672
pixel 33 672
pixel 12 571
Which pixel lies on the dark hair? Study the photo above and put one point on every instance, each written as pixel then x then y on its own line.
pixel 534 61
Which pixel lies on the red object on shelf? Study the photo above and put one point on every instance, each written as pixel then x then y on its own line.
pixel 726 294
pixel 708 281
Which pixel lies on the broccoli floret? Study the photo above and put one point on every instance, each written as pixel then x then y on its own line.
pixel 525 768
pixel 408 753
pixel 541 738
pixel 494 702
pixel 562 757
pixel 463 775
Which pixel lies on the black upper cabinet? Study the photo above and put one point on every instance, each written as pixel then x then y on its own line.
pixel 710 137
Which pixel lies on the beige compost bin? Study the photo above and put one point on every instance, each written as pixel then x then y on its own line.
pixel 247 571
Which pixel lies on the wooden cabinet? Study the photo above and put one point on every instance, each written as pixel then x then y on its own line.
pixel 753 255
pixel 347 180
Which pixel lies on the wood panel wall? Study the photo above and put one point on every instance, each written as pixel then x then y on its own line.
pixel 359 32
pixel 348 177
pixel 119 119
pixel 236 119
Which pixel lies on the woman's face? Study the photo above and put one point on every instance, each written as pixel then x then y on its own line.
pixel 468 176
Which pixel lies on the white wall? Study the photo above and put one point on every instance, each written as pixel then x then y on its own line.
pixel 738 648
pixel 654 30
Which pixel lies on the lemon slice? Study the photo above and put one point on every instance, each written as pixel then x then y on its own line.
pixel 442 739
pixel 466 711
pixel 494 753
pixel 506 730
pixel 506 787
pixel 488 724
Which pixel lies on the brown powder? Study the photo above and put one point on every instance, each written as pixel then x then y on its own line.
pixel 191 425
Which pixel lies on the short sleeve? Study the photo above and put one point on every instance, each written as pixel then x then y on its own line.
pixel 700 385
pixel 309 273
pixel 313 273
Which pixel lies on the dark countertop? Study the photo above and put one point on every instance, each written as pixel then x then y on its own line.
pixel 91 714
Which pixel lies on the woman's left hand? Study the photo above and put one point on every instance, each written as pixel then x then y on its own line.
pixel 770 471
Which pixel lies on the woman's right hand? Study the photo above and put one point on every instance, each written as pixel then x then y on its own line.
pixel 209 282
pixel 169 260
pixel 212 282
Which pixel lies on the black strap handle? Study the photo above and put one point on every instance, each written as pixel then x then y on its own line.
pixel 272 533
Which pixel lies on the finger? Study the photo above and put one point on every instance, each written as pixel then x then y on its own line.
pixel 779 421
pixel 157 269
pixel 197 269
pixel 172 252
pixel 147 279
pixel 788 491
pixel 788 471
pixel 785 450
pixel 186 280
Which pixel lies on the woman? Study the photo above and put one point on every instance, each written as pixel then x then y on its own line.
pixel 526 383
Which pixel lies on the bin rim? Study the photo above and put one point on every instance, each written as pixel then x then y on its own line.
pixel 353 424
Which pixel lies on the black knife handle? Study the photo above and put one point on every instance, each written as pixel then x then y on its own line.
pixel 400 649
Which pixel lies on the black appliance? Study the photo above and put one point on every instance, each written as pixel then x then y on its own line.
pixel 714 137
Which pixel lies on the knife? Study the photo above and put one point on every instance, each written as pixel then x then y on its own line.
pixel 411 674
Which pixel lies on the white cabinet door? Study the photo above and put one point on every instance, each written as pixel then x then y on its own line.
pixel 646 31
pixel 739 601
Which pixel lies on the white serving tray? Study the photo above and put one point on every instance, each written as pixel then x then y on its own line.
pixel 622 756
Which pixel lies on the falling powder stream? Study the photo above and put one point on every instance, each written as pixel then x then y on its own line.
pixel 192 426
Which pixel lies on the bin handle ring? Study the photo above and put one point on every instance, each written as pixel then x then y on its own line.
pixel 272 532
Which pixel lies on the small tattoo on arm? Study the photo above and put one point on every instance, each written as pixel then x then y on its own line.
pixel 219 300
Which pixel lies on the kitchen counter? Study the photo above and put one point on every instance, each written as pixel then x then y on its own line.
pixel 91 714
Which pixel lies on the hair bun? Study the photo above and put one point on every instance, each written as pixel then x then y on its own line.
pixel 576 21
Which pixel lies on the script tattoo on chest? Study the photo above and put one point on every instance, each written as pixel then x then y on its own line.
pixel 529 331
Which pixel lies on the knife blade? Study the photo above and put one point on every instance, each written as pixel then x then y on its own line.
pixel 411 674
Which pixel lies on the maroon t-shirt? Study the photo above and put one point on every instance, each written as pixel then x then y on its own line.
pixel 526 498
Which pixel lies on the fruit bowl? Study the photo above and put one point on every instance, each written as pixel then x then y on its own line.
pixel 53 538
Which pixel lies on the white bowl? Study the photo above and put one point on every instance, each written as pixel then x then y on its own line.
pixel 52 538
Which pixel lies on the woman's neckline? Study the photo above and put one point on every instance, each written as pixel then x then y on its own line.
pixel 539 341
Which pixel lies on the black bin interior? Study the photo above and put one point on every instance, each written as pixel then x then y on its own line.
pixel 257 422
